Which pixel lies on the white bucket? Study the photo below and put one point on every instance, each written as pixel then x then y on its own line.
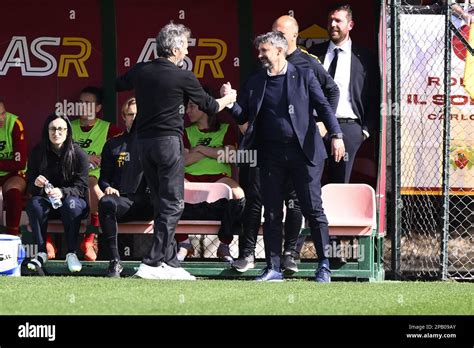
pixel 12 255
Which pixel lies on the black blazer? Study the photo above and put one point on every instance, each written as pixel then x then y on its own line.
pixel 77 186
pixel 364 84
pixel 304 95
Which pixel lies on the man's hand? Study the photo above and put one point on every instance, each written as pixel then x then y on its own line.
pixel 337 149
pixel 225 89
pixel 233 96
pixel 230 94
pixel 111 191
pixel 40 181
pixel 95 160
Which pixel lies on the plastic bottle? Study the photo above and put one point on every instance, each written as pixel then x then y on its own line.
pixel 55 202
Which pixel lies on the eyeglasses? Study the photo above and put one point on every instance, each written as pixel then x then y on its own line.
pixel 61 130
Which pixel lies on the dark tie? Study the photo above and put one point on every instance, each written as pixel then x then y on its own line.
pixel 333 65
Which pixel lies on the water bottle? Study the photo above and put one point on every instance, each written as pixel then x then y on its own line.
pixel 55 202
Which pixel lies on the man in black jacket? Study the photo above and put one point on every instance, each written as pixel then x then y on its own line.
pixel 356 73
pixel 162 90
pixel 249 176
pixel 277 103
pixel 119 206
pixel 116 205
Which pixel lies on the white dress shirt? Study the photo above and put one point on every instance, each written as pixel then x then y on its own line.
pixel 342 77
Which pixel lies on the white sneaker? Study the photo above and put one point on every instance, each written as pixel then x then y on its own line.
pixel 73 263
pixel 178 273
pixel 149 272
pixel 38 262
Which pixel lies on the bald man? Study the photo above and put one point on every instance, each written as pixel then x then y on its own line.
pixel 288 26
pixel 249 176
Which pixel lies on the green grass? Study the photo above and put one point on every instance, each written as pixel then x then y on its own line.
pixel 94 296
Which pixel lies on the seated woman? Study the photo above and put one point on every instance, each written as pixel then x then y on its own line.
pixel 56 160
pixel 203 141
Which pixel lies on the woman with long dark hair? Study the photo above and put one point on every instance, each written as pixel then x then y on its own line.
pixel 58 162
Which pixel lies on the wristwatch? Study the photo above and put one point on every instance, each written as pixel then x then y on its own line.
pixel 337 136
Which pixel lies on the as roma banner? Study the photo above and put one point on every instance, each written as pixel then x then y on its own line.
pixel 49 51
pixel 422 101
pixel 213 46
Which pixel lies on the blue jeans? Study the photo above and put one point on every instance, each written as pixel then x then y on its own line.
pixel 73 210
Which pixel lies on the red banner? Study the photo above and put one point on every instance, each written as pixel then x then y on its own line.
pixel 48 53
pixel 213 47
pixel 50 50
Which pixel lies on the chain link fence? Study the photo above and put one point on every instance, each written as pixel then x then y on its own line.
pixel 434 234
pixel 205 247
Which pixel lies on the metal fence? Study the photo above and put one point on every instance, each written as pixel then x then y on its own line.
pixel 432 151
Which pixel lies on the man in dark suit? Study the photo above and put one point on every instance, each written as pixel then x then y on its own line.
pixel 249 176
pixel 355 71
pixel 278 104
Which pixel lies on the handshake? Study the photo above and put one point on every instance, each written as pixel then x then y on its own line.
pixel 228 93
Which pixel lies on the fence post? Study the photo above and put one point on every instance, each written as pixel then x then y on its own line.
pixel 395 125
pixel 446 143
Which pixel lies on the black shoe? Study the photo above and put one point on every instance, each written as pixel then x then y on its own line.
pixel 115 268
pixel 289 264
pixel 35 265
pixel 323 275
pixel 270 275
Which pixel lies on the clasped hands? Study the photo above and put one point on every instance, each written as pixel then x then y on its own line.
pixel 227 90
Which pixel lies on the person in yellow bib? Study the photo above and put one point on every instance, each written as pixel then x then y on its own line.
pixel 204 141
pixel 91 133
pixel 13 156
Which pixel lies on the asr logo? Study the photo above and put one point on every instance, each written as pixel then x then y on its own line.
pixel 18 53
pixel 212 61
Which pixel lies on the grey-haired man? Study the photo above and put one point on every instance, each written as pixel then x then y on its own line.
pixel 161 90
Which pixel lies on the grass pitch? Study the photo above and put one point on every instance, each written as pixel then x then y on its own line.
pixel 126 296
